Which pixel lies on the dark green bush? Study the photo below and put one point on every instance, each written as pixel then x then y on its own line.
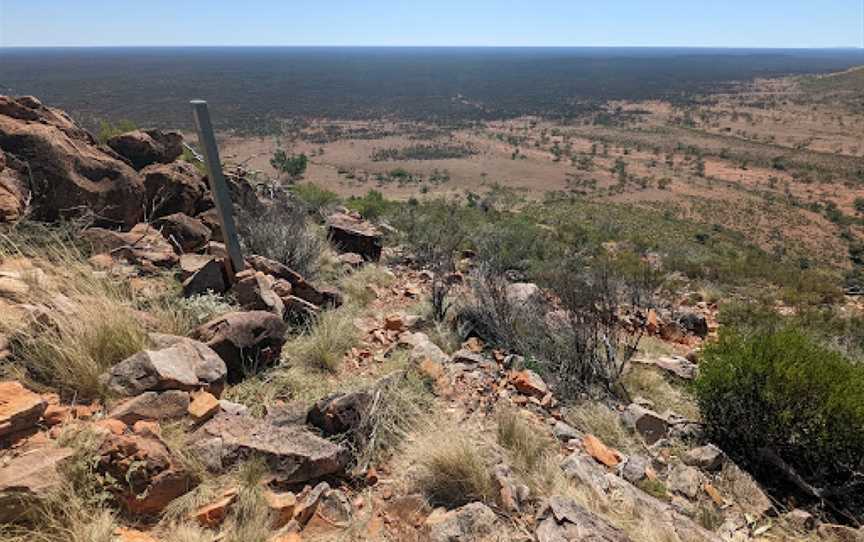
pixel 371 206
pixel 780 394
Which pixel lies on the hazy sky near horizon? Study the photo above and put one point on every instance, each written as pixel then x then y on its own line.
pixel 697 23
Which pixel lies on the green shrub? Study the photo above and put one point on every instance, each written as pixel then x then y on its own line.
pixel 371 206
pixel 780 394
pixel 316 198
pixel 108 129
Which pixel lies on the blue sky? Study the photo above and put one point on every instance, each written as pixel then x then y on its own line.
pixel 713 23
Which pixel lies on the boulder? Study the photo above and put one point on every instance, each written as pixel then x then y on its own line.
pixel 565 432
pixel 68 172
pixel 318 296
pixel 203 407
pixel 293 453
pixel 169 405
pixel 27 478
pixel 426 349
pixel 708 458
pixel 254 291
pixel 562 519
pixel 208 276
pixel 340 413
pixel 185 233
pixel 152 475
pixel 685 480
pixel 352 234
pixel 244 340
pixel 297 309
pixel 210 218
pixel 144 147
pixel 20 408
pixel 351 260
pixel 695 324
pixel 522 292
pixel 14 189
pixel 529 383
pixel 635 469
pixel 334 512
pixel 469 523
pixel 173 188
pixel 647 423
pixel 679 366
pixel 141 245
pixel 177 363
pixel 801 520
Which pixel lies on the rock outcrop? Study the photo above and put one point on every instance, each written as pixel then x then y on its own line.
pixel 293 453
pixel 144 147
pixel 68 173
pixel 353 234
pixel 20 408
pixel 177 363
pixel 246 341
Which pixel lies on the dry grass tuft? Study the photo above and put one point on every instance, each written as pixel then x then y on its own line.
pixel 650 384
pixel 604 423
pixel 399 402
pixel 250 518
pixel 358 286
pixel 452 469
pixel 327 338
pixel 83 321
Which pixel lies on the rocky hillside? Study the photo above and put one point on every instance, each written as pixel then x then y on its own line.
pixel 146 395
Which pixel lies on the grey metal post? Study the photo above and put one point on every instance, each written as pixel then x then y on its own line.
pixel 218 186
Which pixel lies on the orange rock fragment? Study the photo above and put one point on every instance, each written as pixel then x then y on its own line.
pixel 203 406
pixel 600 452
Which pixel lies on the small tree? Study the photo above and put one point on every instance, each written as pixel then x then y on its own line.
pixel 294 166
pixel 859 205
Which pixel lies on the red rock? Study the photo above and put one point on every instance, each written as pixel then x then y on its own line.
pixel 115 427
pixel 153 476
pixel 124 534
pixel 77 174
pixel 600 452
pixel 213 514
pixel 142 245
pixel 203 406
pixel 529 383
pixel 20 408
pixel 282 507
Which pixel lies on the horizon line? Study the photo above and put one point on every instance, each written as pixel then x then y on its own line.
pixel 390 46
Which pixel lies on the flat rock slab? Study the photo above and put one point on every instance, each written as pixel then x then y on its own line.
pixel 177 363
pixel 293 453
pixel 27 478
pixel 563 520
pixel 20 408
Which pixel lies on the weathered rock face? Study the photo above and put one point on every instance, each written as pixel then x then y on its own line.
pixel 173 188
pixel 145 147
pixel 708 457
pixel 339 413
pixel 353 234
pixel 471 522
pixel 184 232
pixel 151 405
pixel 529 383
pixel 70 173
pixel 695 324
pixel 563 520
pixel 300 288
pixel 153 476
pixel 254 291
pixel 20 408
pixel 244 340
pixel 293 454
pixel 14 192
pixel 28 478
pixel 141 245
pixel 180 364
pixel 650 425
pixel 207 274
